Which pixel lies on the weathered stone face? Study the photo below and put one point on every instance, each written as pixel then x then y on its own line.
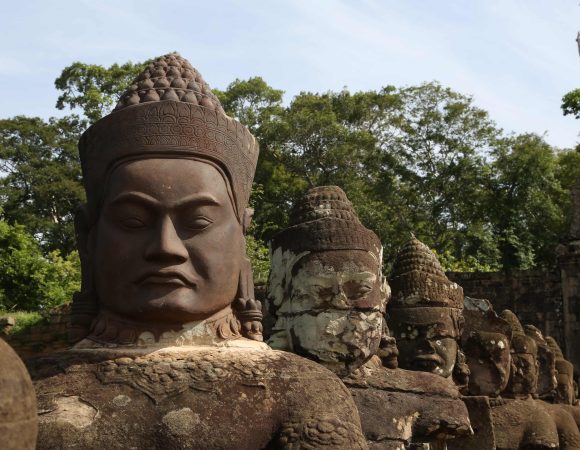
pixel 427 339
pixel 547 370
pixel 488 358
pixel 160 242
pixel 425 313
pixel 546 361
pixel 524 371
pixel 388 351
pixel 524 375
pixel 565 390
pixel 339 279
pixel 333 312
pixel 486 342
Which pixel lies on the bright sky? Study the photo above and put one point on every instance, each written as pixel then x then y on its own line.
pixel 516 58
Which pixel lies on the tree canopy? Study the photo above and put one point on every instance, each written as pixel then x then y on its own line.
pixel 422 159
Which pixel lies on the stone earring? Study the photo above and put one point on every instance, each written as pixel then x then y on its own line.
pixel 248 310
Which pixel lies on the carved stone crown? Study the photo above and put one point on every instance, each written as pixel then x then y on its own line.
pixel 169 111
pixel 554 347
pixel 535 334
pixel 324 219
pixel 480 317
pixel 521 343
pixel 563 366
pixel 418 280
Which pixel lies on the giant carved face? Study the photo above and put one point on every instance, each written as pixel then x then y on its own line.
pixel 427 338
pixel 488 358
pixel 167 246
pixel 334 310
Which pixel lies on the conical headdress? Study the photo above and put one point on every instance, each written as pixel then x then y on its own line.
pixel 324 219
pixel 563 366
pixel 418 280
pixel 535 334
pixel 554 347
pixel 480 317
pixel 521 343
pixel 169 111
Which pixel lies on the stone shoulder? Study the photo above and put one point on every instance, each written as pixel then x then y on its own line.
pixel 310 405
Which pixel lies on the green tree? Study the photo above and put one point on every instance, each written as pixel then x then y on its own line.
pixel 527 204
pixel 28 279
pixel 253 102
pixel 419 158
pixel 41 183
pixel 259 106
pixel 429 175
pixel 93 88
pixel 571 103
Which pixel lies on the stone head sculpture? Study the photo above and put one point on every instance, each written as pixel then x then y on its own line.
pixel 325 288
pixel 486 342
pixel 523 380
pixel 161 238
pixel 546 360
pixel 565 388
pixel 425 313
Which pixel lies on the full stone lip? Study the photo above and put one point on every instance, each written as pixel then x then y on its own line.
pixel 427 360
pixel 173 278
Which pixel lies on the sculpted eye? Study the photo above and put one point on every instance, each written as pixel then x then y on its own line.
pixel 199 223
pixel 355 290
pixel 133 223
pixel 325 291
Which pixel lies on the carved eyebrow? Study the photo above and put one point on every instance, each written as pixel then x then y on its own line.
pixel 139 197
pixel 202 198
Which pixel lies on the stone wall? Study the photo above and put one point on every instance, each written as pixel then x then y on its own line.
pixel 47 337
pixel 535 296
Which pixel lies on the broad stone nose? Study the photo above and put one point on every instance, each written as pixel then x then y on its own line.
pixel 166 245
pixel 339 299
pixel 425 345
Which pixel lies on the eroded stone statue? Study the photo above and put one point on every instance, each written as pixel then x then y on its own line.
pixel 425 314
pixel 18 419
pixel 519 420
pixel 326 288
pixel 546 363
pixel 170 353
pixel 566 390
pixel 328 295
pixel 486 343
pixel 568 433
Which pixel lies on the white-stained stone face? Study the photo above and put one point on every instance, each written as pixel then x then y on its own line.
pixel 330 307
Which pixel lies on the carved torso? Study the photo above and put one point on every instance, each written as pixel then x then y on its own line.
pixel 522 424
pixel 568 434
pixel 398 406
pixel 191 398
